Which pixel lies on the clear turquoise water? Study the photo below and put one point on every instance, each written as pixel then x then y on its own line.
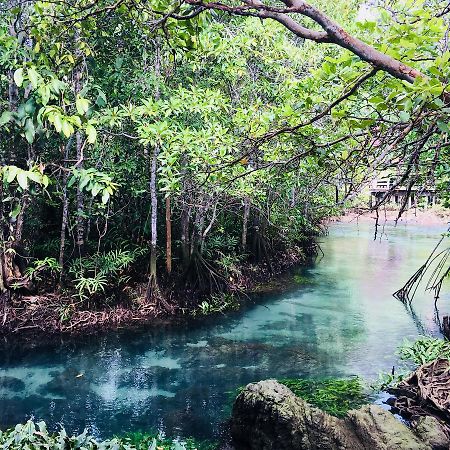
pixel 341 320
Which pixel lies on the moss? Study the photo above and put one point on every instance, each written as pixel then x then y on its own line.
pixel 300 279
pixel 334 396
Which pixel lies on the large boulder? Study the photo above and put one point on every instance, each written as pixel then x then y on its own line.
pixel 267 415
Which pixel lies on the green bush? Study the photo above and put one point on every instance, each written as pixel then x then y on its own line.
pixel 33 436
pixel 334 396
pixel 424 350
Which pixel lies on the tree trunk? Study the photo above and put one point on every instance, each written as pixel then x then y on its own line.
pixel 78 86
pixel 168 236
pixel 152 281
pixel 80 198
pixel 152 285
pixel 65 209
pixel 2 240
pixel 185 236
pixel 21 218
pixel 245 222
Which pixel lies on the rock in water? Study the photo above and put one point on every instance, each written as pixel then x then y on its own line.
pixel 268 416
pixel 431 430
pixel 379 429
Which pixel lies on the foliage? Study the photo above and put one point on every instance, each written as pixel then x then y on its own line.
pixel 110 112
pixel 218 303
pixel 94 274
pixel 143 441
pixel 424 350
pixel 95 182
pixel 387 380
pixel 335 396
pixel 39 267
pixel 36 437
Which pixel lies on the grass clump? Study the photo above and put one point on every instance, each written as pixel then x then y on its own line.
pixel 424 350
pixel 334 396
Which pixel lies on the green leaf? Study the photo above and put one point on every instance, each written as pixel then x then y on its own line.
pixel 16 211
pixel 83 182
pixel 404 116
pixel 96 189
pixel 5 117
pixel 57 122
pixel 33 77
pixel 18 77
pixel 72 181
pixel 443 126
pixel 45 94
pixel 82 105
pixel 12 172
pixel 105 196
pixel 22 179
pixel 29 131
pixel 91 133
pixel 35 176
pixel 67 128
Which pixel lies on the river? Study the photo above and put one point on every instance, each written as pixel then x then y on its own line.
pixel 336 318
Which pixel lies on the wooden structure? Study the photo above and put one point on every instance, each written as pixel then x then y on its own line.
pixel 418 196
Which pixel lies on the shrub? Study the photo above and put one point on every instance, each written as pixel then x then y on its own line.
pixel 424 350
pixel 36 437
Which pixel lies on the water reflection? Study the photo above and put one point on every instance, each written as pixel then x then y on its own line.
pixel 340 320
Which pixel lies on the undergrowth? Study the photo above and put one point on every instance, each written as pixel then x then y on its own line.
pixel 424 350
pixel 35 436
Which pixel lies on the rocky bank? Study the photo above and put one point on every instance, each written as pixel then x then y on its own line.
pixel 268 416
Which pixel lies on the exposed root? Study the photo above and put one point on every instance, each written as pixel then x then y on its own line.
pixel 53 314
pixel 425 392
pixel 440 272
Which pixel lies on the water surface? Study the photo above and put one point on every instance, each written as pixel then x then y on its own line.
pixel 339 319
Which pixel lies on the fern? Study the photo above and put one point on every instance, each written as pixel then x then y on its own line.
pixel 93 274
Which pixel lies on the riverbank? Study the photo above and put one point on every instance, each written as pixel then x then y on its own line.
pixel 415 216
pixel 62 314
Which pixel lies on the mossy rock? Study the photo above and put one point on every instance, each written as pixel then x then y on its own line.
pixel 334 396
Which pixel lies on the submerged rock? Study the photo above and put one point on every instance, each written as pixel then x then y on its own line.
pixel 66 381
pixel 12 384
pixel 268 416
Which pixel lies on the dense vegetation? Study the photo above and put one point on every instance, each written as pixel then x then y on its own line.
pixel 35 436
pixel 160 152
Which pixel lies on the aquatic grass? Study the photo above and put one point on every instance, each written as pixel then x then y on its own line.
pixel 424 350
pixel 332 395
